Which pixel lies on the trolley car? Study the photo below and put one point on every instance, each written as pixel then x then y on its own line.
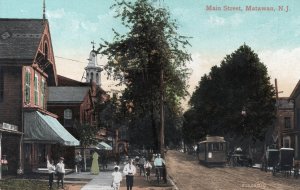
pixel 212 151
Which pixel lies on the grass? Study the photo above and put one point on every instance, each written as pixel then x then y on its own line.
pixel 23 184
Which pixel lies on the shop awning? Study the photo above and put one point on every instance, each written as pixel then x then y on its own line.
pixel 44 128
pixel 103 146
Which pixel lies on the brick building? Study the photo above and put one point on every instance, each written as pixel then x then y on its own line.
pixel 27 69
pixel 295 98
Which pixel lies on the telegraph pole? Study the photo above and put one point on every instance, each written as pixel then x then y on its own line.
pixel 162 120
pixel 277 115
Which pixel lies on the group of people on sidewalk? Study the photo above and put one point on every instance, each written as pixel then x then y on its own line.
pixel 130 170
pixel 58 169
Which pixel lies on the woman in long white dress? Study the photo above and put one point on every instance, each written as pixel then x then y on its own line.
pixel 95 165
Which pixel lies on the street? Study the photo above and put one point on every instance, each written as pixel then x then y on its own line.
pixel 188 174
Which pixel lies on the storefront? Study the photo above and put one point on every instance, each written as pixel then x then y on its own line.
pixel 10 144
pixel 43 136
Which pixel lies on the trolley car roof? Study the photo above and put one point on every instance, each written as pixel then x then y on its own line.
pixel 213 139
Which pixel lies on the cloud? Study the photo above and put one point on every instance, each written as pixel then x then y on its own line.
pixel 282 64
pixel 231 21
pixel 216 20
pixel 55 14
pixel 200 65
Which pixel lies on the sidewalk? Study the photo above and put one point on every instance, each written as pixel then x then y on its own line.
pixel 104 179
pixel 100 182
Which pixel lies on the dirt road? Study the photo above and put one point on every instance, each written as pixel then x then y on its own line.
pixel 188 174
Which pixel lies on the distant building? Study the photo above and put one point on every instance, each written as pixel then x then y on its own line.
pixel 295 98
pixel 77 103
pixel 27 70
pixel 285 123
pixel 93 70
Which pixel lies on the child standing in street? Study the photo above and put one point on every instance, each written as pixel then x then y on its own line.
pixel 117 178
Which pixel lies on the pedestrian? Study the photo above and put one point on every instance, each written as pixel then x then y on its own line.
pixel 95 164
pixel 51 171
pixel 104 161
pixel 159 163
pixel 78 162
pixel 141 165
pixel 60 171
pixel 117 178
pixel 148 168
pixel 129 171
pixel 116 164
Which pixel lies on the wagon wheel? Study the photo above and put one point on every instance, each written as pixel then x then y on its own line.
pixel 235 161
pixel 264 166
pixel 274 170
pixel 296 171
pixel 232 161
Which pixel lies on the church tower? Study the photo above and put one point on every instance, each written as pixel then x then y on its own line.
pixel 93 70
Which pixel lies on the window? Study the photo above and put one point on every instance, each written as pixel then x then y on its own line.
pixel 46 51
pixel 97 78
pixel 92 77
pixel 43 93
pixel 27 86
pixel 68 118
pixel 36 89
pixel 1 84
pixel 298 117
pixel 41 153
pixel 287 142
pixel 287 122
pixel 27 148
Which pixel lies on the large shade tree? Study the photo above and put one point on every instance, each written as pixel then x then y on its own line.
pixel 137 58
pixel 236 99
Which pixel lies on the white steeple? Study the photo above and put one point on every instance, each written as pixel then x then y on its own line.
pixel 93 70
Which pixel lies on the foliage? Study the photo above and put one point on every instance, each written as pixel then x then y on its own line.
pixel 240 83
pixel 191 130
pixel 137 58
pixel 111 113
pixel 87 134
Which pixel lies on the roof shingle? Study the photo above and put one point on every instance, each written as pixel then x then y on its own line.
pixel 19 38
pixel 69 94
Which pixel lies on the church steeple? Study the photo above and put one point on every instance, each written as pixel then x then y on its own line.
pixel 44 10
pixel 93 70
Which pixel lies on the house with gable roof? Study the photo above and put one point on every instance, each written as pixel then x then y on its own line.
pixel 27 70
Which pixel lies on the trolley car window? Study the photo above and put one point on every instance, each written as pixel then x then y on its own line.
pixel 221 146
pixel 215 146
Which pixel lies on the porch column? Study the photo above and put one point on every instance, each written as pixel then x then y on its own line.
pixel 21 164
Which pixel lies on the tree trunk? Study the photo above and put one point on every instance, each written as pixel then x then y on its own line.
pixel 84 159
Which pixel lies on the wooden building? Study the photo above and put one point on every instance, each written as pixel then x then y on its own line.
pixel 27 69
pixel 295 98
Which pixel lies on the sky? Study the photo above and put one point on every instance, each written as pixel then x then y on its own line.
pixel 214 30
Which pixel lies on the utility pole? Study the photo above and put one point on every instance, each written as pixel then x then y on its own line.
pixel 162 120
pixel 278 127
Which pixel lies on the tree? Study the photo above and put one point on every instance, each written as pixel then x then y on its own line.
pixel 87 137
pixel 137 58
pixel 191 130
pixel 241 83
